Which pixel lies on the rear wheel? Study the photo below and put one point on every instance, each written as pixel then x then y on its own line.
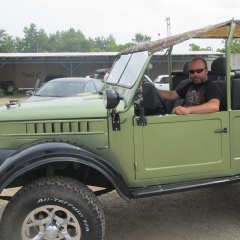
pixel 53 208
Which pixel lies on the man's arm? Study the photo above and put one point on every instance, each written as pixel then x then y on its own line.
pixel 168 95
pixel 209 107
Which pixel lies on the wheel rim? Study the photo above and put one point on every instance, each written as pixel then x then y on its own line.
pixel 51 222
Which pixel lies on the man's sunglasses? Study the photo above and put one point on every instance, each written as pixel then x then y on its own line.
pixel 197 70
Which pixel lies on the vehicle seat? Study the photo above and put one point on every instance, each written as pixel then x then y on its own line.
pixel 186 68
pixel 172 104
pixel 218 68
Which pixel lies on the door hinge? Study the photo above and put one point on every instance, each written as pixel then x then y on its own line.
pixel 115 120
pixel 136 166
pixel 142 120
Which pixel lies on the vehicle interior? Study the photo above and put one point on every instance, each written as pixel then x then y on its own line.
pixel 153 104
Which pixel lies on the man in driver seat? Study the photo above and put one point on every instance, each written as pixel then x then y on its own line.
pixel 201 94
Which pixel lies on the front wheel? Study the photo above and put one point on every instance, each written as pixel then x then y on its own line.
pixel 53 208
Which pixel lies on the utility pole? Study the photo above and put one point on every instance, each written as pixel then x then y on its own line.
pixel 168 26
pixel 169 54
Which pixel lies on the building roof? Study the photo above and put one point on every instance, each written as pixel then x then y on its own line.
pixel 93 54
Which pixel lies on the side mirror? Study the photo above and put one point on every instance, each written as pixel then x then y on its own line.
pixel 111 99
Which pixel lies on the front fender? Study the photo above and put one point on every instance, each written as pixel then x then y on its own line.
pixel 47 152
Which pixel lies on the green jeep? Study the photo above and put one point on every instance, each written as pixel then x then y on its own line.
pixel 56 151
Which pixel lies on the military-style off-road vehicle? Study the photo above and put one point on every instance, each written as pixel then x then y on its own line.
pixel 114 139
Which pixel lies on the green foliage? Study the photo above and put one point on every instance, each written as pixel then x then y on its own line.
pixel 222 50
pixel 36 40
pixel 7 43
pixel 194 47
pixel 235 46
pixel 140 38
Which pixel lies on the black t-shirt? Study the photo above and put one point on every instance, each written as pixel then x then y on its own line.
pixel 196 94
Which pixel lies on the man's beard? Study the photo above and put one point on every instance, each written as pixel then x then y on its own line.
pixel 198 80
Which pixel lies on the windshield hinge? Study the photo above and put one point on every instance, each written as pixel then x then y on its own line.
pixel 115 120
pixel 142 120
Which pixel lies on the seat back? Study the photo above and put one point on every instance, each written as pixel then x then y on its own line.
pixel 172 104
pixel 218 69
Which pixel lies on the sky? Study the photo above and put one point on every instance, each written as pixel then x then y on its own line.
pixel 121 18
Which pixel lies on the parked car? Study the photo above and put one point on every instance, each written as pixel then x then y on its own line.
pixel 65 87
pixel 58 152
pixel 162 82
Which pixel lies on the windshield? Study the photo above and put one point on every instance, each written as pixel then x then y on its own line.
pixel 61 89
pixel 127 68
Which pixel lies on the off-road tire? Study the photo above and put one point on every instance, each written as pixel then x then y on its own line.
pixel 73 207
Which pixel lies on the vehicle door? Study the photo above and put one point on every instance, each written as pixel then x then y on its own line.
pixel 193 146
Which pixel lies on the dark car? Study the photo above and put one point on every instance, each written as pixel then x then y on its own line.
pixel 99 73
pixel 65 87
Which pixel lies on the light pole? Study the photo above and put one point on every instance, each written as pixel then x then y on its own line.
pixel 168 26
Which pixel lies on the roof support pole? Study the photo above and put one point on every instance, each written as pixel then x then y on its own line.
pixel 228 67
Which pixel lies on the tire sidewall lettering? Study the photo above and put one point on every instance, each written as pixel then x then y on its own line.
pixel 65 204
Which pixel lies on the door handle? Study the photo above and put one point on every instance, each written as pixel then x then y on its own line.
pixel 225 130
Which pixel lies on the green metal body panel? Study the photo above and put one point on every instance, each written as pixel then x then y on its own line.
pixel 235 143
pixel 184 147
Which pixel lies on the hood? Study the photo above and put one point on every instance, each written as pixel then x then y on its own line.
pixel 34 98
pixel 60 108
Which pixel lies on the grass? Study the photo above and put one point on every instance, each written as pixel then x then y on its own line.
pixel 14 95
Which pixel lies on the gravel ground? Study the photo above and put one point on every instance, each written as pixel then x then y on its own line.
pixel 206 214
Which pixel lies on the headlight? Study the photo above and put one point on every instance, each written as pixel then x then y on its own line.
pixel 111 98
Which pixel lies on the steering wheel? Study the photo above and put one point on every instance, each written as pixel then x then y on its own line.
pixel 152 100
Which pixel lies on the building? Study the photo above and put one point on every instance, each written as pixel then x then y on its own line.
pixel 22 70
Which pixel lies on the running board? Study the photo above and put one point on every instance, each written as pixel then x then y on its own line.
pixel 155 190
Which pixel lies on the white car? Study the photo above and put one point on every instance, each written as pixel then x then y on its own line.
pixel 162 82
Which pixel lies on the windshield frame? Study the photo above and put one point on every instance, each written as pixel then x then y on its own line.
pixel 127 68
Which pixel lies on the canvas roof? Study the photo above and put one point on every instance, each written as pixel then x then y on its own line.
pixel 220 30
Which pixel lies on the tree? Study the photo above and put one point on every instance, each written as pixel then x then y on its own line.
pixel 235 46
pixel 54 40
pixel 104 44
pixel 72 41
pixel 140 38
pixel 7 43
pixel 208 48
pixel 99 44
pixel 34 40
pixel 194 47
